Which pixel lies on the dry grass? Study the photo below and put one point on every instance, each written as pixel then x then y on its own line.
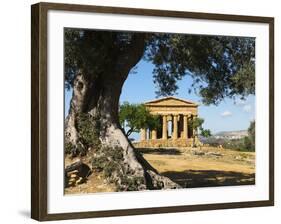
pixel 198 167
pixel 204 167
pixel 94 184
pixel 229 161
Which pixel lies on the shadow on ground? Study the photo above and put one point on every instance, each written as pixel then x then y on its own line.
pixel 160 151
pixel 209 178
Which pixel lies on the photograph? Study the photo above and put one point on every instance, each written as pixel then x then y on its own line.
pixel 157 111
pixel 135 111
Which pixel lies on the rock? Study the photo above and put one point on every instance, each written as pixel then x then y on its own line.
pixel 214 154
pixel 73 172
pixel 198 153
pixel 73 175
pixel 79 181
pixel 72 180
pixel 79 168
pixel 238 157
pixel 71 183
pixel 76 173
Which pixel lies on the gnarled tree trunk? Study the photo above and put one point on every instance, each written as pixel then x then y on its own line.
pixel 98 95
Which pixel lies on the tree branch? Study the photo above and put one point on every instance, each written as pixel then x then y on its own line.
pixel 130 131
pixel 133 53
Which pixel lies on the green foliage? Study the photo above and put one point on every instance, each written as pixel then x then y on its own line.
pixel 135 117
pixel 83 47
pixel 196 122
pixel 131 183
pixel 220 66
pixel 233 144
pixel 110 161
pixel 244 144
pixel 205 132
pixel 248 144
pixel 68 148
pixel 250 140
pixel 107 159
pixel 252 131
pixel 88 128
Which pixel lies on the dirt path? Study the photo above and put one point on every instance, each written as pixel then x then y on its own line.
pixel 203 167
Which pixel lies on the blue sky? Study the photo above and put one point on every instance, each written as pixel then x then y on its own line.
pixel 227 116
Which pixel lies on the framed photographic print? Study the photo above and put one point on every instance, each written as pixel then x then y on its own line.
pixel 138 111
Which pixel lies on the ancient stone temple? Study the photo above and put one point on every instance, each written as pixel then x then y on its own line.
pixel 175 130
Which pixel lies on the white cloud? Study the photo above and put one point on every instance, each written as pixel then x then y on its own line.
pixel 226 113
pixel 247 108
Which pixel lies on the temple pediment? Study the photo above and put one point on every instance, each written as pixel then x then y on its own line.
pixel 171 102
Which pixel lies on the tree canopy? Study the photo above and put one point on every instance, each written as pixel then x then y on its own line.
pixel 220 66
pixel 197 123
pixel 249 141
pixel 136 116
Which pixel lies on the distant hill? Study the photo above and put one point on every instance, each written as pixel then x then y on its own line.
pixel 231 134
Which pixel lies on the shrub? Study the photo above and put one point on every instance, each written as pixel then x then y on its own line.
pixel 249 146
pixel 87 129
pixel 110 161
pixel 68 148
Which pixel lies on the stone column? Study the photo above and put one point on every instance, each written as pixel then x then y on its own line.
pixel 143 134
pixel 175 125
pixel 195 142
pixel 164 127
pixel 185 127
pixel 193 131
pixel 154 134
